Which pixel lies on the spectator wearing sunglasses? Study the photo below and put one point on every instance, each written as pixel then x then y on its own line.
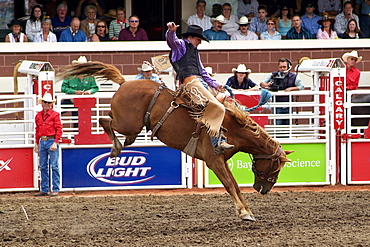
pixel 285 21
pixel 310 20
pixel 101 32
pixel 352 73
pixel 133 32
pixel 271 33
pixel 230 20
pixel 243 33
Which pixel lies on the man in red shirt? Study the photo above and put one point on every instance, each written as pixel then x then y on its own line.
pixel 48 132
pixel 352 73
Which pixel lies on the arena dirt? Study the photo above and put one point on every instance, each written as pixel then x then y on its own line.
pixel 286 217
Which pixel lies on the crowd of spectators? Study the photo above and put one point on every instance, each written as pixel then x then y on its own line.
pixel 264 19
pixel 86 22
pixel 282 19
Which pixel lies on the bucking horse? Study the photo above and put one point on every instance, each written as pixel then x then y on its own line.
pixel 140 103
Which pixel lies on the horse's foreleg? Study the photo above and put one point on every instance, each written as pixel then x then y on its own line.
pixel 222 171
pixel 106 123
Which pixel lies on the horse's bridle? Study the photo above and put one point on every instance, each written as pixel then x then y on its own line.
pixel 273 157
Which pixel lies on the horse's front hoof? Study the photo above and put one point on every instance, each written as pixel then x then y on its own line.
pixel 248 217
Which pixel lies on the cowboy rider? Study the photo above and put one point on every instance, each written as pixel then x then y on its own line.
pixel 186 62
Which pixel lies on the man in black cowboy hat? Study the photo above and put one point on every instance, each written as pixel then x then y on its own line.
pixel 185 60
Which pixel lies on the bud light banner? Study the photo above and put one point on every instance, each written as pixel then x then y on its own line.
pixel 139 167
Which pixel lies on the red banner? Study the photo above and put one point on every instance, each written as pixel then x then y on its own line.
pixel 338 95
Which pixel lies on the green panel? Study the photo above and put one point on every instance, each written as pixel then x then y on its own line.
pixel 308 165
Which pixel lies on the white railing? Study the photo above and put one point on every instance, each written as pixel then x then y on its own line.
pixel 17 113
pixel 356 124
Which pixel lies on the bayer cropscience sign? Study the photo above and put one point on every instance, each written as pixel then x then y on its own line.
pixel 135 167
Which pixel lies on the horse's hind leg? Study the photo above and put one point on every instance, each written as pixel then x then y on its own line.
pixel 106 123
pixel 222 171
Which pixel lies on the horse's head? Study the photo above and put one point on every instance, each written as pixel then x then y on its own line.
pixel 266 169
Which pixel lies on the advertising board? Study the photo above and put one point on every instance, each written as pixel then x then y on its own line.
pixel 308 166
pixel 136 167
pixel 16 169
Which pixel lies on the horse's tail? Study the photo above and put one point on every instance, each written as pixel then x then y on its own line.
pixel 102 70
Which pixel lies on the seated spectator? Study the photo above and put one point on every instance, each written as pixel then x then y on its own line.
pixel 248 8
pixel 331 7
pixel 16 34
pixel 101 32
pixel 243 33
pixel 362 9
pixel 99 4
pixel 352 73
pixel 240 80
pixel 258 24
pixel 230 20
pixel 285 21
pixel 146 72
pixel 352 31
pixel 200 19
pixel 327 30
pixel 46 35
pixel 33 25
pixel 61 21
pixel 297 31
pixel 133 32
pixel 271 33
pixel 273 7
pixel 88 25
pixel 216 32
pixel 73 34
pixel 310 20
pixel 342 19
pixel 117 25
pixel 216 10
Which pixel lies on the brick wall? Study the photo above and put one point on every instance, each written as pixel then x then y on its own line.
pixel 259 60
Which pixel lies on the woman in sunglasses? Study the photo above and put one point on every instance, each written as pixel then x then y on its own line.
pixel 285 21
pixel 271 33
pixel 101 32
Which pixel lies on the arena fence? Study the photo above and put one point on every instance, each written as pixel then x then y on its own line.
pixel 86 165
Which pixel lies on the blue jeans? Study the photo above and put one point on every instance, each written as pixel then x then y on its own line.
pixel 49 158
pixel 282 110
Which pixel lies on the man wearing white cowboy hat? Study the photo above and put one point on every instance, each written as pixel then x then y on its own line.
pixel 240 79
pixel 243 33
pixel 352 73
pixel 81 84
pixel 216 32
pixel 186 62
pixel 146 72
pixel 48 131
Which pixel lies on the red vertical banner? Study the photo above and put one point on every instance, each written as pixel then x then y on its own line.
pixel 47 87
pixel 338 104
pixel 16 168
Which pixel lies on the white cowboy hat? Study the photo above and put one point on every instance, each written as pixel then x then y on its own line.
pixel 47 97
pixel 219 18
pixel 243 20
pixel 145 67
pixel 210 71
pixel 81 59
pixel 351 54
pixel 241 69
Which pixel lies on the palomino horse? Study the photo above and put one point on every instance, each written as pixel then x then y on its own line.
pixel 127 116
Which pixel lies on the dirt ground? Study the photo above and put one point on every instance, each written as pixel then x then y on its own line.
pixel 289 216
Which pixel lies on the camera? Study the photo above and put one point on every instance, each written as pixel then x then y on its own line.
pixel 277 84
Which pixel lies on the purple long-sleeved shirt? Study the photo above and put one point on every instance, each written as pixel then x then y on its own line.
pixel 178 48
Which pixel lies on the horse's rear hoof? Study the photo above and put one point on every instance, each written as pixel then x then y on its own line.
pixel 248 217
